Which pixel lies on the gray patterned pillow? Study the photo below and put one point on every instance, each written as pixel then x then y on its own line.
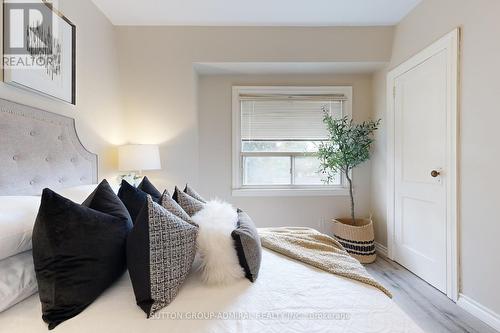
pixel 187 202
pixel 248 247
pixel 189 190
pixel 160 251
pixel 173 207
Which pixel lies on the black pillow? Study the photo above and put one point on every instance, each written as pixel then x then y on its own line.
pixel 247 244
pixel 146 186
pixel 132 197
pixel 78 250
pixel 104 199
pixel 160 251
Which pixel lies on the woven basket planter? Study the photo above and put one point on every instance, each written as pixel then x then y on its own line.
pixel 358 239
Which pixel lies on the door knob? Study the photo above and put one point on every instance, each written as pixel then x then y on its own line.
pixel 435 173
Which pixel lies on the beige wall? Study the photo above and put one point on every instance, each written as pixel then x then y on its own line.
pixel 215 151
pixel 160 85
pixel 479 135
pixel 98 113
pixel 378 161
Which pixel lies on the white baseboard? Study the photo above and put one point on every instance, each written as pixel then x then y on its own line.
pixel 381 249
pixel 479 311
pixel 476 309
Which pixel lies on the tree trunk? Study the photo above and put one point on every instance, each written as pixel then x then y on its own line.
pixel 352 197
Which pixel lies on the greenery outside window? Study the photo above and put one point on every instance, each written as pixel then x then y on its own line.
pixel 276 133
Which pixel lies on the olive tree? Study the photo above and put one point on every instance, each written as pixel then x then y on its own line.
pixel 348 146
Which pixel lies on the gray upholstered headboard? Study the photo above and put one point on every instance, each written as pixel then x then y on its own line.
pixel 40 149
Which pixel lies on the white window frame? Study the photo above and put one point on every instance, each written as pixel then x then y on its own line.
pixel 238 189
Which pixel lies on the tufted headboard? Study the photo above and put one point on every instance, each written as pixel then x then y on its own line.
pixel 40 149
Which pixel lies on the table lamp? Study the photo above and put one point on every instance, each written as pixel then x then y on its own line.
pixel 137 158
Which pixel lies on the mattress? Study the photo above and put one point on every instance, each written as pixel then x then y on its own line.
pixel 288 296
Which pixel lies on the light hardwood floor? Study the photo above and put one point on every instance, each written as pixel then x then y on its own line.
pixel 429 308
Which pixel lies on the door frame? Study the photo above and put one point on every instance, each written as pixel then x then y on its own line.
pixel 450 44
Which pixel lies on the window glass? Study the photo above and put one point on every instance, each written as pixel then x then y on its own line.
pixel 280 146
pixel 266 170
pixel 307 172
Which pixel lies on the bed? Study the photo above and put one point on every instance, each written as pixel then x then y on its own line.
pixel 40 149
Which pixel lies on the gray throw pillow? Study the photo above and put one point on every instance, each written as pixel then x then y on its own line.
pixel 173 207
pixel 189 190
pixel 248 246
pixel 160 251
pixel 187 202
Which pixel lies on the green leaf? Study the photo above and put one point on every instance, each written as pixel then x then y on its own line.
pixel 348 146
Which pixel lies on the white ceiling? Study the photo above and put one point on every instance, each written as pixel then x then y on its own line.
pixel 256 12
pixel 285 68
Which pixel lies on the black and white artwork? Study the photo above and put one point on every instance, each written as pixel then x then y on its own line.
pixel 39 49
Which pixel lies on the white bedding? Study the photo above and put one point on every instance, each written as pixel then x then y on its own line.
pixel 17 216
pixel 17 279
pixel 284 286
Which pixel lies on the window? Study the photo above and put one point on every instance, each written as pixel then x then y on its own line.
pixel 276 132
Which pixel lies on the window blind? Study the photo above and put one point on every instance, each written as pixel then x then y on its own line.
pixel 268 118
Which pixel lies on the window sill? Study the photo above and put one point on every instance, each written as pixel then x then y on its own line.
pixel 291 192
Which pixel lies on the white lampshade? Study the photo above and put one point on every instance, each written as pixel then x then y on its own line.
pixel 139 157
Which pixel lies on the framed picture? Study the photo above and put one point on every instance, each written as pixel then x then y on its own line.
pixel 39 49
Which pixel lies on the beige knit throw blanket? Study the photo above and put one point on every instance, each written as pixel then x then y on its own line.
pixel 316 249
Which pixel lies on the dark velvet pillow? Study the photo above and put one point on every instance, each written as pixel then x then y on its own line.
pixel 78 250
pixel 189 190
pixel 146 186
pixel 132 197
pixel 247 244
pixel 160 251
pixel 104 199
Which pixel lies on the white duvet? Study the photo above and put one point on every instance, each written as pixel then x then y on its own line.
pixel 288 296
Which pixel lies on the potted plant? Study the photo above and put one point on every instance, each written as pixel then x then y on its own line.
pixel 349 146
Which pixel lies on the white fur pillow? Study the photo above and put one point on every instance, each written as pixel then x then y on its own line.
pixel 219 261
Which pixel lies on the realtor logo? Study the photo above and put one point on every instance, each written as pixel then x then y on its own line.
pixel 28 28
pixel 31 39
pixel 39 48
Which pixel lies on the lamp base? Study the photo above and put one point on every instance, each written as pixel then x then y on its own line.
pixel 132 178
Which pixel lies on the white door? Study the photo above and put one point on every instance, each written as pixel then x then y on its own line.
pixel 423 136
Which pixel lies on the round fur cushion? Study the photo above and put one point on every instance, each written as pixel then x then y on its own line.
pixel 219 260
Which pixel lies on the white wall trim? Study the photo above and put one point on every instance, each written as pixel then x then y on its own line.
pixel 381 250
pixel 291 192
pixel 1 41
pixel 449 44
pixel 479 311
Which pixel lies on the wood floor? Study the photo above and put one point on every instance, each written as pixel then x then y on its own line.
pixel 429 308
